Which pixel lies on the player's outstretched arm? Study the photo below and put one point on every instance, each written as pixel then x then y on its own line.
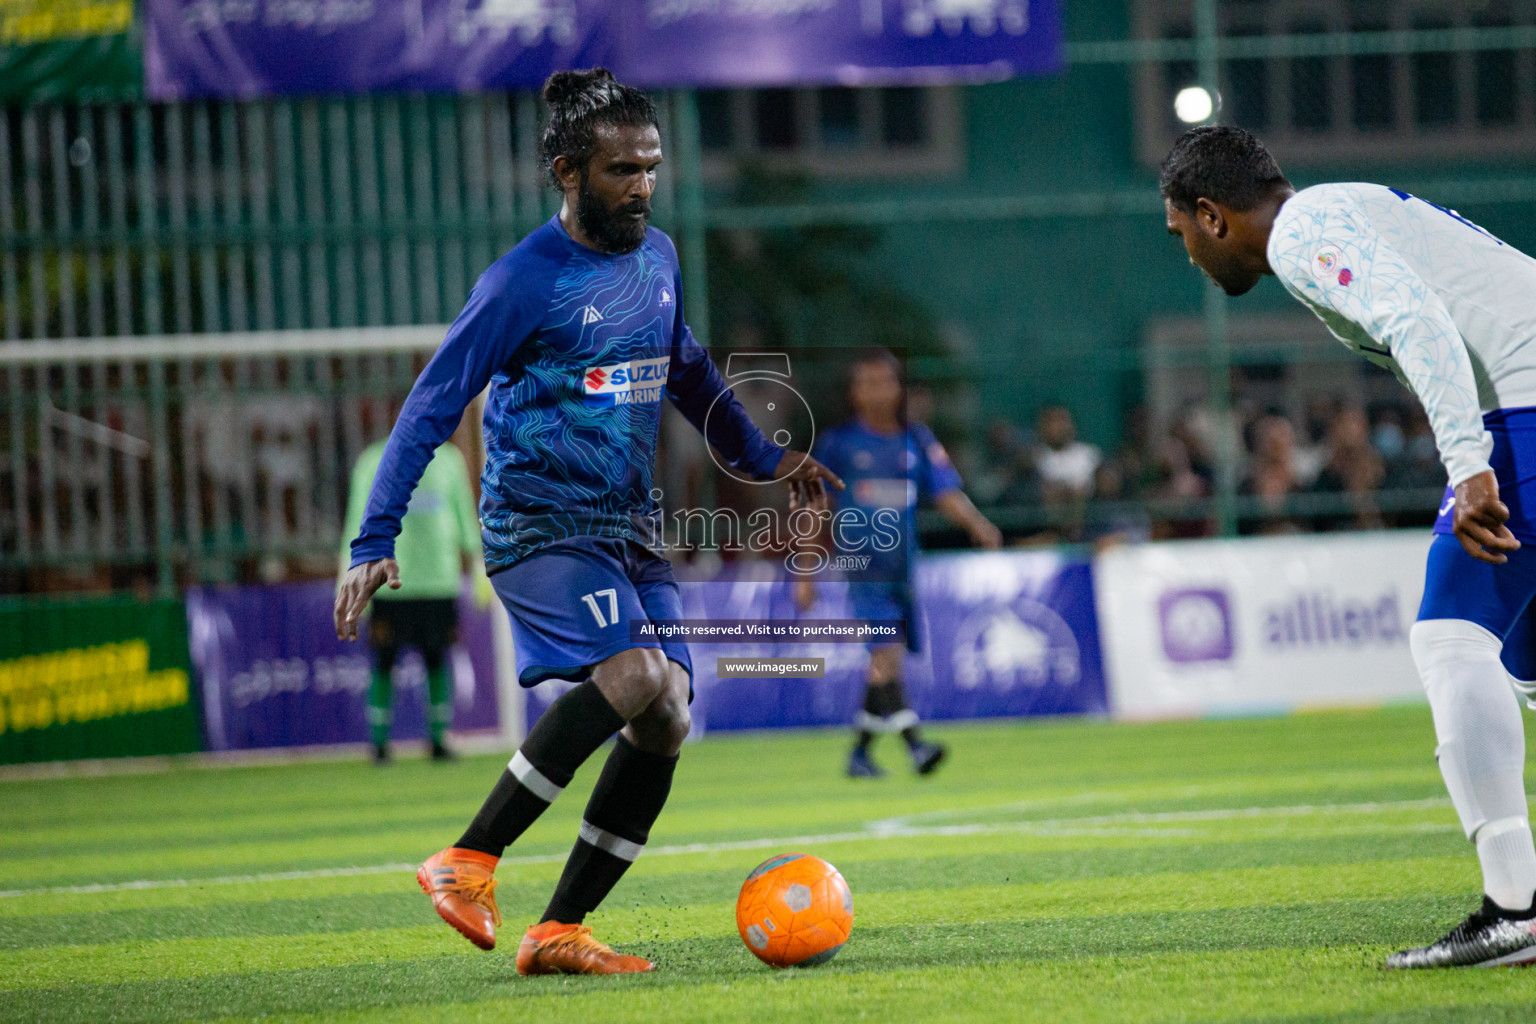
pixel 1479 520
pixel 808 480
pixel 960 510
pixel 357 589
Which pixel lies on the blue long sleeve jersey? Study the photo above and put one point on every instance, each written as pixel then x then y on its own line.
pixel 578 347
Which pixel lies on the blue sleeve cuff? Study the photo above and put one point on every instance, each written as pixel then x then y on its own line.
pixel 371 550
pixel 762 459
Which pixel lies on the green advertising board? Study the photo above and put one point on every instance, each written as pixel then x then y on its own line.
pixel 69 51
pixel 99 678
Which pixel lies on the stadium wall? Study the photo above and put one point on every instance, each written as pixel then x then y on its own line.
pixel 1177 629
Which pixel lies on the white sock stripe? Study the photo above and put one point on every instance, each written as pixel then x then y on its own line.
pixel 607 841
pixel 906 718
pixel 534 780
pixel 1501 826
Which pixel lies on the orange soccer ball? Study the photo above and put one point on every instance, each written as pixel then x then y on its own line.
pixel 794 911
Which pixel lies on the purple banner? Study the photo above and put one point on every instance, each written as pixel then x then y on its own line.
pixel 725 43
pixel 1005 634
pixel 245 48
pixel 273 674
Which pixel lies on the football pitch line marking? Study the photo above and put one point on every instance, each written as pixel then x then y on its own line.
pixel 1124 823
pixel 904 824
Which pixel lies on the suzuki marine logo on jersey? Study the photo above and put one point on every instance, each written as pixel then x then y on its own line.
pixel 640 380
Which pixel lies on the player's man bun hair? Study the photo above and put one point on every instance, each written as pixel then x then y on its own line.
pixel 578 102
pixel 1221 163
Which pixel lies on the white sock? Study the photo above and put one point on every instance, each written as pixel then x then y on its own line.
pixel 1481 749
pixel 1525 689
pixel 1508 857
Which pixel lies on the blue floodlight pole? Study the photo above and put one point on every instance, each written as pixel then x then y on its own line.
pixel 1217 347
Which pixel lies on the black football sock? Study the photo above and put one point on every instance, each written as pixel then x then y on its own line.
pixel 565 736
pixel 625 803
pixel 899 717
pixel 872 719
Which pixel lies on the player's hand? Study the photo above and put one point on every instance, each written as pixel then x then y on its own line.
pixel 805 594
pixel 985 534
pixel 807 480
pixel 1479 519
pixel 357 589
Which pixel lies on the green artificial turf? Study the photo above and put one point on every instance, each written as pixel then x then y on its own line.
pixel 1253 870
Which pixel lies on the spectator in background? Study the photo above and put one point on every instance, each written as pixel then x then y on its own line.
pixel 1418 464
pixel 1009 477
pixel 439 538
pixel 1313 447
pixel 1115 519
pixel 1272 474
pixel 1065 464
pixel 1387 435
pixel 1136 462
pixel 1195 430
pixel 1176 484
pixel 1354 470
pixel 1065 467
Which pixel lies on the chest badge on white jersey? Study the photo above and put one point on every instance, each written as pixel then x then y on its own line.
pixel 1328 265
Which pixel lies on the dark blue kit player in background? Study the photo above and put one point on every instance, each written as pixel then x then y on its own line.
pixel 891 466
pixel 579 333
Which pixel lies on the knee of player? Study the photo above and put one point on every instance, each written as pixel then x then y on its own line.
pixel 649 672
pixel 1439 642
pixel 676 723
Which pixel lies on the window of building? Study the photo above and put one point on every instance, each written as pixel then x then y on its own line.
pixel 1445 103
pixel 833 131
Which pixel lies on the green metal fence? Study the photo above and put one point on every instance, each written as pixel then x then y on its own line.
pixel 198 228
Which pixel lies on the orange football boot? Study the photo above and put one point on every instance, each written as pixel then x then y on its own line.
pixel 462 885
pixel 555 948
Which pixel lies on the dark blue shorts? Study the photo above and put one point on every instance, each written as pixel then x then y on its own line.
pixel 1496 597
pixel 888 601
pixel 1514 465
pixel 572 603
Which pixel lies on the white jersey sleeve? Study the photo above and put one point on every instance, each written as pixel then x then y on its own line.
pixel 1330 256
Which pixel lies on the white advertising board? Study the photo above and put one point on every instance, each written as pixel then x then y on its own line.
pixel 1263 624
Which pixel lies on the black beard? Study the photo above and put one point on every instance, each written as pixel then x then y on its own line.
pixel 616 230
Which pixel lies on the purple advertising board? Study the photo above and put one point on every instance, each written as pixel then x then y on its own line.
pixel 725 43
pixel 246 48
pixel 1002 634
pixel 273 674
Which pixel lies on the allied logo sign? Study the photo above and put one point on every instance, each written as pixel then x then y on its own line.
pixel 1196 625
pixel 590 315
pixel 639 380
